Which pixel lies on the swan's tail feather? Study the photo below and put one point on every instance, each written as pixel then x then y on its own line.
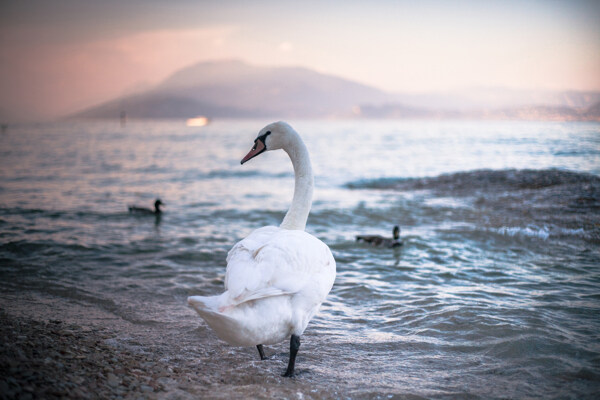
pixel 226 327
pixel 247 296
pixel 203 304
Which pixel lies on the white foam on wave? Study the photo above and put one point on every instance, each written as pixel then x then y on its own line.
pixel 573 232
pixel 536 232
pixel 529 231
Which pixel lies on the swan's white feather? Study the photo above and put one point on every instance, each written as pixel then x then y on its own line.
pixel 274 260
pixel 275 281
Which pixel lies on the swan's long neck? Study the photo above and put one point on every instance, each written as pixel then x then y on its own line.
pixel 303 188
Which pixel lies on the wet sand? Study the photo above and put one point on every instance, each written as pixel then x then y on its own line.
pixel 45 353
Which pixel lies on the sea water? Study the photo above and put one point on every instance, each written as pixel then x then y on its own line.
pixel 494 293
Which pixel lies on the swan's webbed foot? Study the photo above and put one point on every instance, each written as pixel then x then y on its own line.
pixel 261 352
pixel 294 346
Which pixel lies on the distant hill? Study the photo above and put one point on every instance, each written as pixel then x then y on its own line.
pixel 490 98
pixel 593 113
pixel 523 113
pixel 234 89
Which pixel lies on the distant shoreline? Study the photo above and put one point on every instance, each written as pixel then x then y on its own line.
pixel 235 89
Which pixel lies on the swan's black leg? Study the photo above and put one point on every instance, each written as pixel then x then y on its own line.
pixel 261 351
pixel 294 346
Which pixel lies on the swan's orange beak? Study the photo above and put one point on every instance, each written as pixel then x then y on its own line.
pixel 258 148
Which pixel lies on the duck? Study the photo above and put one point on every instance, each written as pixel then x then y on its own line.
pixel 147 211
pixel 380 241
pixel 277 277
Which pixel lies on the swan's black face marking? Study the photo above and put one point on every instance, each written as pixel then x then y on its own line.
pixel 258 148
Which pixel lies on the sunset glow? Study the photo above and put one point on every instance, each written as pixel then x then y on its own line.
pixel 198 121
pixel 78 55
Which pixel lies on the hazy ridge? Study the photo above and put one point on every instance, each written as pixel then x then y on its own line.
pixel 234 89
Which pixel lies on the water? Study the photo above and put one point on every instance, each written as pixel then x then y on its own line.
pixel 495 293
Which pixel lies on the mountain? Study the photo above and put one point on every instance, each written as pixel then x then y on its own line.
pixel 522 113
pixel 490 98
pixel 234 89
pixel 593 112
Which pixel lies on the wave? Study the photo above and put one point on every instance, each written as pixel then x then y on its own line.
pixel 192 175
pixel 540 233
pixel 246 174
pixel 78 215
pixel 514 202
pixel 483 179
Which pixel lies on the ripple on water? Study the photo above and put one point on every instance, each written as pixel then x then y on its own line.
pixel 493 294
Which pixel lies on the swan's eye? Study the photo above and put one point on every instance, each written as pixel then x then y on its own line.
pixel 262 138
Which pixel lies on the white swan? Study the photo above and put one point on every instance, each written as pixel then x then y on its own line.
pixel 277 277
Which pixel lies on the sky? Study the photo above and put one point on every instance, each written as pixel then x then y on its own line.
pixel 60 56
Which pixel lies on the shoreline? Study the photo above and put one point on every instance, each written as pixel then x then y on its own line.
pixel 55 357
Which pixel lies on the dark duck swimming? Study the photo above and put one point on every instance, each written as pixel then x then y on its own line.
pixel 380 241
pixel 147 211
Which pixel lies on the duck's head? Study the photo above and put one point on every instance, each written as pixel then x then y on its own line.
pixel 157 205
pixel 272 137
pixel 396 232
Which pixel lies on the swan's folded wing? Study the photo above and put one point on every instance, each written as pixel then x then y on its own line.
pixel 280 263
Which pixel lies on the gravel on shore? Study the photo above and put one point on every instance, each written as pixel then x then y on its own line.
pixel 57 359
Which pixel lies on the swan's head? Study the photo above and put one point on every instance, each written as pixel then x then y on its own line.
pixel 272 137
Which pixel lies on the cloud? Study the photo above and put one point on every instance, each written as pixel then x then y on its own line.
pixel 49 79
pixel 285 47
pixel 65 55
